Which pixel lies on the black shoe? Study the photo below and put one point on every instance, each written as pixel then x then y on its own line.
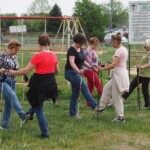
pixel 125 95
pixel 31 115
pixel 26 118
pixel 42 136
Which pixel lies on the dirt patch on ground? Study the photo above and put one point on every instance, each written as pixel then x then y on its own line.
pixel 116 141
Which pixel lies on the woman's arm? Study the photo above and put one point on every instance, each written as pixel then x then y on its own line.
pixel 56 69
pixel 87 64
pixel 2 70
pixel 23 71
pixel 110 66
pixel 143 66
pixel 73 65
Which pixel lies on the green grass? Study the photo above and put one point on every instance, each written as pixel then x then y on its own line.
pixel 82 134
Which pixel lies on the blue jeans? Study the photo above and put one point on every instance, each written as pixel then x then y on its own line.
pixel 41 118
pixel 10 100
pixel 75 79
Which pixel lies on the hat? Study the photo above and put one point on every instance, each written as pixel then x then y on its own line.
pixel 14 43
pixel 147 43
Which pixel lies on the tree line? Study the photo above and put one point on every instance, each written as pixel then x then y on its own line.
pixel 94 18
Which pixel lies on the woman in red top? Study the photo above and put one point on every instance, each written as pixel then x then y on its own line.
pixel 43 83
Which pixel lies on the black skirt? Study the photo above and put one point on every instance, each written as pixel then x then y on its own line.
pixel 42 87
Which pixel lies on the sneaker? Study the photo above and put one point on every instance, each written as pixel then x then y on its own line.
pixel 119 119
pixel 99 109
pixel 5 127
pixel 145 107
pixel 125 95
pixel 26 118
pixel 1 128
pixel 76 116
pixel 31 115
pixel 42 136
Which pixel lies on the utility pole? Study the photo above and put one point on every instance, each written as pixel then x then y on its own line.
pixel 111 14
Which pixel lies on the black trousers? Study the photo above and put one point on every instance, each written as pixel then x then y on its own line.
pixel 145 88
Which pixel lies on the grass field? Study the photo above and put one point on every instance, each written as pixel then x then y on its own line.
pixel 83 134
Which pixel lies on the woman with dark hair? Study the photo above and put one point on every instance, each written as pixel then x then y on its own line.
pixel 143 78
pixel 42 84
pixel 9 60
pixel 92 58
pixel 74 71
pixel 119 82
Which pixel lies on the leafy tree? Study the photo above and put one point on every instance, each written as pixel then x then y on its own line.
pixel 95 18
pixel 8 22
pixel 53 25
pixel 39 7
pixel 120 13
pixel 91 17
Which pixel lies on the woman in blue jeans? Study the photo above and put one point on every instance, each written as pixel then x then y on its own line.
pixel 42 84
pixel 8 60
pixel 74 71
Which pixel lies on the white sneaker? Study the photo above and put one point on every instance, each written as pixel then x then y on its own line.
pixel 146 108
pixel 76 117
pixel 99 108
pixel 1 128
pixel 119 119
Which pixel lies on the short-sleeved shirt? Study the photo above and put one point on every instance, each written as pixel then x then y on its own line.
pixel 91 57
pixel 79 58
pixel 122 53
pixel 44 62
pixel 145 72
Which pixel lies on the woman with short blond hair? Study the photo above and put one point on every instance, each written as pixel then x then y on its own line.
pixel 119 82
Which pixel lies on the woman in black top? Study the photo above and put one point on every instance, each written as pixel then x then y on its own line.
pixel 73 72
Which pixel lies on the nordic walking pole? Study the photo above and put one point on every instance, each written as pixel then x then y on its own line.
pixel 98 99
pixel 12 99
pixel 138 80
pixel 25 78
pixel 138 89
pixel 1 101
pixel 78 116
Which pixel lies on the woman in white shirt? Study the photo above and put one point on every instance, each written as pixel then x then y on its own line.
pixel 119 82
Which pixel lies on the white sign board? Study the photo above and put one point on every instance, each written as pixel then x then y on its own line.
pixel 139 21
pixel 17 29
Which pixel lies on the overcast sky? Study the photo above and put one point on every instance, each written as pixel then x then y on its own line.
pixel 20 6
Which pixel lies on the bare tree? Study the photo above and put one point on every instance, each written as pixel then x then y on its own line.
pixel 39 7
